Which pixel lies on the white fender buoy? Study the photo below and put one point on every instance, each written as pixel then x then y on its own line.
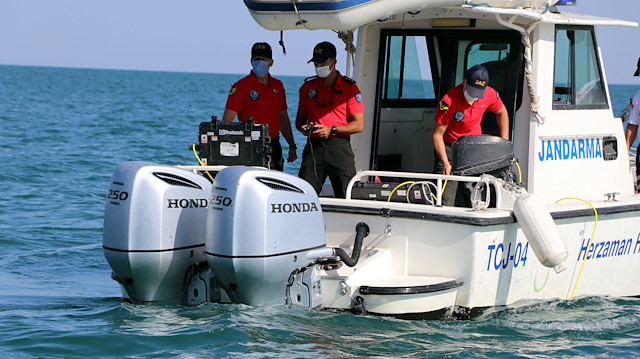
pixel 541 232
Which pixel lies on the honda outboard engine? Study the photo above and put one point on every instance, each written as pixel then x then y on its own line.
pixel 264 231
pixel 154 230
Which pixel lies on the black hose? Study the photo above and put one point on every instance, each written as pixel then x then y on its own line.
pixel 362 230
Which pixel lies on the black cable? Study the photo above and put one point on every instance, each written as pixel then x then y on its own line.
pixel 284 50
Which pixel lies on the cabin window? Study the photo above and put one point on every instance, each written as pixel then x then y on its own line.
pixel 406 102
pixel 502 64
pixel 578 82
pixel 407 72
pixel 484 53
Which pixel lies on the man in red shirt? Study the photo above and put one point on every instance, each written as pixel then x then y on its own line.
pixel 330 110
pixel 261 98
pixel 460 114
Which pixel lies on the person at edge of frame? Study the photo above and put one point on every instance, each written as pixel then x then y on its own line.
pixel 459 114
pixel 261 98
pixel 330 110
pixel 631 134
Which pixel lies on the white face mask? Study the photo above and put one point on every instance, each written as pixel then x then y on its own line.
pixel 324 71
pixel 468 97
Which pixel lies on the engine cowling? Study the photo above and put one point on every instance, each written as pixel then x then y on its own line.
pixel 261 227
pixel 154 230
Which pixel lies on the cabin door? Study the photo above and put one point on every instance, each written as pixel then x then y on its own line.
pixel 416 68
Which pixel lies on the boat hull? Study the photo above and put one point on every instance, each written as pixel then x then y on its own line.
pixel 495 262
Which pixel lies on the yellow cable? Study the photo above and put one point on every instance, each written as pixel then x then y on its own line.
pixel 444 186
pixel 193 147
pixel 398 186
pixel 590 239
pixel 404 183
pixel 519 172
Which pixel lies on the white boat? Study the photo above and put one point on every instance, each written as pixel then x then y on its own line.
pixel 563 221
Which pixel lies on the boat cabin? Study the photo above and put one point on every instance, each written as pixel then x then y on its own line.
pixel 544 63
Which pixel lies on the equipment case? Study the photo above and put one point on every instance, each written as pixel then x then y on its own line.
pixel 234 143
pixel 382 191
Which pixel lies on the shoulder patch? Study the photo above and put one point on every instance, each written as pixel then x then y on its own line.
pixel 232 90
pixel 310 78
pixel 348 79
pixel 443 106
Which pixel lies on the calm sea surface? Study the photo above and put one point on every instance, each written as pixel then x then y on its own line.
pixel 63 132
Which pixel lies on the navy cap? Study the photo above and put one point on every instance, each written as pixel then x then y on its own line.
pixel 323 51
pixel 261 49
pixel 477 80
pixel 638 69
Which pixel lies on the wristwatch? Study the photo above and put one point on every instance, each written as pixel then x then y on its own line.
pixel 334 131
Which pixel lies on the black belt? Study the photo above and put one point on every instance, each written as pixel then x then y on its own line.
pixel 316 141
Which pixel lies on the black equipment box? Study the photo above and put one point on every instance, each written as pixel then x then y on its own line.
pixel 381 191
pixel 234 143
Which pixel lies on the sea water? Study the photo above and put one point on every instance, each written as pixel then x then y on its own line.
pixel 63 132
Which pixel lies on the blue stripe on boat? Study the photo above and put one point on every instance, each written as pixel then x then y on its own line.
pixel 288 5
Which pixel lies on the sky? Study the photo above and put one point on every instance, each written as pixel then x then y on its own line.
pixel 212 36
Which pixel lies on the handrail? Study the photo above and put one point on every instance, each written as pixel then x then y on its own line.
pixel 413 175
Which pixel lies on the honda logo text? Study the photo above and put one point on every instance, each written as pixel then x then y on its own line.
pixel 187 203
pixel 293 207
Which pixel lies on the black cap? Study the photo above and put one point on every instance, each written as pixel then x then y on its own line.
pixel 323 51
pixel 261 49
pixel 638 69
pixel 477 80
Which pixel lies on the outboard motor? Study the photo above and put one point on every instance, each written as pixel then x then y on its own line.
pixel 154 227
pixel 489 156
pixel 265 231
pixel 477 154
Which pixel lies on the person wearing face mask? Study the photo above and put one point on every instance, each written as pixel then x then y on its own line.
pixel 261 98
pixel 330 110
pixel 459 114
